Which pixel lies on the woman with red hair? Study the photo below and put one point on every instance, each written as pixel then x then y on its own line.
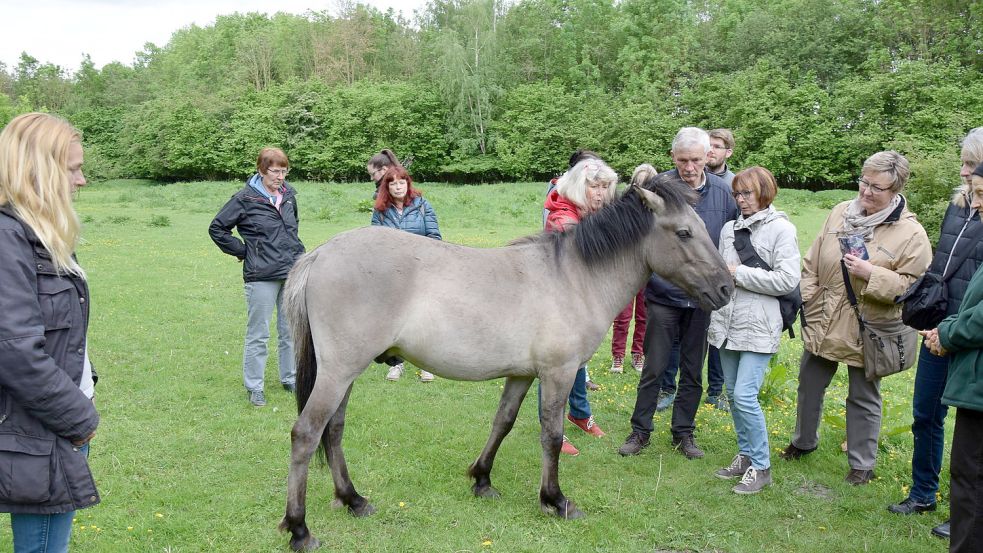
pixel 398 205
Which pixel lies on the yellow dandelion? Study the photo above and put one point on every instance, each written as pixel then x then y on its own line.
pixel 129 528
pixel 402 503
pixel 486 543
pixel 823 528
pixel 158 515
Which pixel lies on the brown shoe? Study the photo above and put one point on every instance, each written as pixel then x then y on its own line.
pixel 857 477
pixel 792 453
pixel 687 446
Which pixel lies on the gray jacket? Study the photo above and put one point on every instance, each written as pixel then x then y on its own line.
pixel 43 322
pixel 752 321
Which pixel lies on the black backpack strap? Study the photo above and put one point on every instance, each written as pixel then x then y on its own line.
pixel 850 294
pixel 749 257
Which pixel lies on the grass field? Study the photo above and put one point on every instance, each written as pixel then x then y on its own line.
pixel 184 463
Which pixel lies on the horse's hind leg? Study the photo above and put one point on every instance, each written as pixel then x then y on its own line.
pixel 508 409
pixel 307 432
pixel 344 490
pixel 554 397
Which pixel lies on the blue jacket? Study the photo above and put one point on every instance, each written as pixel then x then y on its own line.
pixel 716 206
pixel 958 221
pixel 417 217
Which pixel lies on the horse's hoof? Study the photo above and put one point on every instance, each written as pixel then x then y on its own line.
pixel 310 543
pixel 363 510
pixel 487 492
pixel 568 512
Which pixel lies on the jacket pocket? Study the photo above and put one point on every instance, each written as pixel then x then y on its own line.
pixel 57 299
pixel 25 469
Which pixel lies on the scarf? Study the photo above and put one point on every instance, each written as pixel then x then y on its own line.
pixel 855 223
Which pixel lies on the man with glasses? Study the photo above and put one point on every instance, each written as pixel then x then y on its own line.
pixel 264 213
pixel 673 315
pixel 721 148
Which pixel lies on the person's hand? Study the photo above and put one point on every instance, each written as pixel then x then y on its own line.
pixel 932 341
pixel 733 269
pixel 858 267
pixel 83 441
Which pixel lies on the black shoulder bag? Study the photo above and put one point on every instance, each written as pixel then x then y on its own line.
pixel 927 300
pixel 888 346
pixel 790 304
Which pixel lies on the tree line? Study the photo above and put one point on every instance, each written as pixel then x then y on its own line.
pixel 479 90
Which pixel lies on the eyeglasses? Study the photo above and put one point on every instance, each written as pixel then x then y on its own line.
pixel 279 172
pixel 746 194
pixel 873 189
pixel 719 147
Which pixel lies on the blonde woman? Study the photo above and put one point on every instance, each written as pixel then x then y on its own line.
pixel 46 381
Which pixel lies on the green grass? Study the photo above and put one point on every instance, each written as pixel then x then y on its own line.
pixel 185 464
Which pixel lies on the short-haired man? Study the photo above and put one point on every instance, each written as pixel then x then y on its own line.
pixel 721 148
pixel 674 315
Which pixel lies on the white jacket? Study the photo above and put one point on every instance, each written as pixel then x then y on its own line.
pixel 752 320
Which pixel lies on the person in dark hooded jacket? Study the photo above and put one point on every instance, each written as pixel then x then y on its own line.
pixel 265 214
pixel 46 381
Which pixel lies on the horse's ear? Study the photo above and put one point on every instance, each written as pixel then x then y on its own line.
pixel 651 200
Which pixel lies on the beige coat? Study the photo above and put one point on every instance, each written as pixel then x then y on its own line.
pixel 900 252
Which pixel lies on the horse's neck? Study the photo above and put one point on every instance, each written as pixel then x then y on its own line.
pixel 610 284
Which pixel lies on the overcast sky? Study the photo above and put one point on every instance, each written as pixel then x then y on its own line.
pixel 60 31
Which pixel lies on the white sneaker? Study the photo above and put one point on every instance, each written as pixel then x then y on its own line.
pixel 426 376
pixel 617 365
pixel 395 372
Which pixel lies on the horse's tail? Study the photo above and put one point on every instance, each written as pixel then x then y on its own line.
pixel 295 301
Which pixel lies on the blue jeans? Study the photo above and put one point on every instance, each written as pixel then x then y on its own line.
pixel 929 426
pixel 579 405
pixel 744 371
pixel 43 533
pixel 261 297
pixel 715 375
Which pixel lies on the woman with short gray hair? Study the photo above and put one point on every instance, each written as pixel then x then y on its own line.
pixel 884 250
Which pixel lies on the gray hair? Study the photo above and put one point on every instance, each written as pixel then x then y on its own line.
pixel 689 137
pixel 572 185
pixel 892 163
pixel 973 145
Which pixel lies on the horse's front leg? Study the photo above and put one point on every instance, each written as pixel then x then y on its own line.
pixel 508 408
pixel 344 490
pixel 555 390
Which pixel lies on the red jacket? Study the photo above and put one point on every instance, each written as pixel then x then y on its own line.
pixel 562 212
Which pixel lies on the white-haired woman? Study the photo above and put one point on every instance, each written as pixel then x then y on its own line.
pixel 887 251
pixel 46 380
pixel 584 189
pixel 636 307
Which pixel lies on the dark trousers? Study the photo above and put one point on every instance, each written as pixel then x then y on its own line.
pixel 715 374
pixel 966 483
pixel 928 428
pixel 665 325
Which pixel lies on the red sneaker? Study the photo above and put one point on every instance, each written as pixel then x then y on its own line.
pixel 587 425
pixel 568 448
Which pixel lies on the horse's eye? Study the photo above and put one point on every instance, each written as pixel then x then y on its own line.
pixel 684 233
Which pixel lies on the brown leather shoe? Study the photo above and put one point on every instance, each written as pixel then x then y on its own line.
pixel 857 477
pixel 687 446
pixel 793 453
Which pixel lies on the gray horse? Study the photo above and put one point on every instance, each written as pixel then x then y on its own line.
pixel 477 314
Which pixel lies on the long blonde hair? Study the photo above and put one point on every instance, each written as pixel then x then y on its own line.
pixel 34 182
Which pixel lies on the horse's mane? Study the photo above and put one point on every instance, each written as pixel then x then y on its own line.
pixel 619 224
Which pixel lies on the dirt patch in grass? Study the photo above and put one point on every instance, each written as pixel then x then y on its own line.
pixel 815 489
